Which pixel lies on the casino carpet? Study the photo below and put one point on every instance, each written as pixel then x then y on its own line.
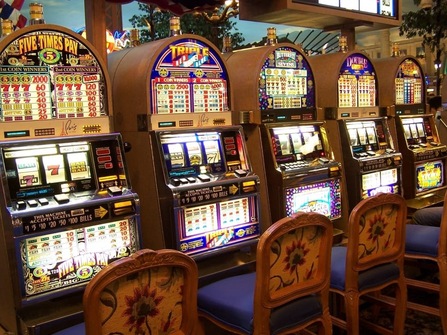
pixel 416 323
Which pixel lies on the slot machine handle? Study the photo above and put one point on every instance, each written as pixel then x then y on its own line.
pixel 438 116
pixel 127 146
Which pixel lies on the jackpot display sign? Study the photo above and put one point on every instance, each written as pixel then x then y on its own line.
pixel 286 81
pixel 357 82
pixel 188 77
pixel 409 83
pixel 51 76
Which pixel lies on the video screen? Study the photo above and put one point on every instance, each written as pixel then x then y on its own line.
pixel 296 143
pixel 322 197
pixel 48 169
pixel 188 154
pixel 72 257
pixel 429 176
pixel 216 225
pixel 385 181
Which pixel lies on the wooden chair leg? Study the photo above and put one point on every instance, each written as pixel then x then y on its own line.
pixel 443 293
pixel 400 307
pixel 352 301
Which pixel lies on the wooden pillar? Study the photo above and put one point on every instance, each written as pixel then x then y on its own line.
pixel 114 17
pixel 95 25
pixel 385 45
pixel 349 32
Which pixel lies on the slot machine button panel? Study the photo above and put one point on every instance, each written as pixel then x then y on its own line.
pixel 191 179
pixel 435 144
pixel 20 205
pixel 33 203
pixel 43 201
pixel 61 198
pixel 184 180
pixel 203 177
pixel 370 153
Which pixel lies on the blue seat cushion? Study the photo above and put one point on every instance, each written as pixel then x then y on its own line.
pixel 230 301
pixel 367 279
pixel 78 329
pixel 421 240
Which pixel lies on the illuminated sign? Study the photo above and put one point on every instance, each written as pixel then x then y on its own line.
pixel 383 8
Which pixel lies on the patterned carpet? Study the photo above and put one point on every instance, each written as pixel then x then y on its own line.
pixel 417 323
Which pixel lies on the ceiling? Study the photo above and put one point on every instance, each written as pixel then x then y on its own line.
pixel 316 41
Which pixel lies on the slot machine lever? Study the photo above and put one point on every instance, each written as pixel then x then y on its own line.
pixel 438 116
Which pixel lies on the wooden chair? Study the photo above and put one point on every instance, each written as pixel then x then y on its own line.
pixel 149 292
pixel 425 249
pixel 290 289
pixel 371 261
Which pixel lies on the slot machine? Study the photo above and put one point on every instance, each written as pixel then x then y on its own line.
pixel 189 163
pixel 67 206
pixel 424 156
pixel 357 128
pixel 274 100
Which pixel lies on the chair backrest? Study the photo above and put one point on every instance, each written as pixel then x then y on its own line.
pixel 149 292
pixel 293 260
pixel 376 234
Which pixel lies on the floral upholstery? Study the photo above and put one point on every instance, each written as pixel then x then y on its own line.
pixel 151 292
pixel 294 257
pixel 143 303
pixel 377 231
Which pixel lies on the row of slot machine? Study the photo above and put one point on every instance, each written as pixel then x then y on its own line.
pixel 176 145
